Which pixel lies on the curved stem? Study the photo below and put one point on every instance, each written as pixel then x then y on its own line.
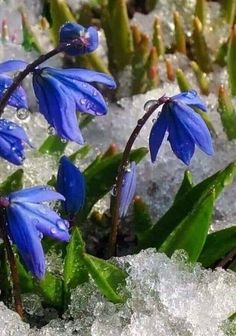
pixel 12 263
pixel 30 67
pixel 18 79
pixel 121 173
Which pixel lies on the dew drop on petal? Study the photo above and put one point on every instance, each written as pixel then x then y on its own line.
pixel 22 113
pixel 40 235
pixel 61 225
pixel 53 230
pixel 83 101
pixel 35 221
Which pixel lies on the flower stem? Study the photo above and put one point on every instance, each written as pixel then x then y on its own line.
pixel 121 173
pixel 18 79
pixel 12 263
pixel 30 67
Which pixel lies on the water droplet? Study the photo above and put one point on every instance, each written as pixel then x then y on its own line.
pixel 10 127
pixel 40 235
pixel 154 120
pixel 83 101
pixel 149 104
pixel 53 230
pixel 35 221
pixel 51 130
pixel 22 113
pixel 61 224
pixel 95 93
pixel 114 190
pixel 63 140
pixel 13 148
pixel 84 85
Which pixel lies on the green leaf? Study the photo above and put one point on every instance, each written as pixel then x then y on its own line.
pixel 51 290
pixel 80 153
pixel 156 236
pixel 12 183
pixel 119 41
pixel 201 77
pixel 107 277
pixel 74 269
pixel 53 145
pixel 142 218
pixel 186 185
pixel 180 40
pixel 100 177
pixel 190 234
pixel 200 48
pixel 231 56
pixel 217 245
pixel 26 279
pixel 227 113
pixel 30 40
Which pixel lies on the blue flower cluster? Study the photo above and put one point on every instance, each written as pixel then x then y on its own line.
pixel 61 93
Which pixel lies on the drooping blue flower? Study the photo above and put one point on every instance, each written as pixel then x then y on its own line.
pixel 12 141
pixel 28 220
pixel 185 127
pixel 128 189
pixel 71 184
pixel 61 93
pixel 84 40
pixel 18 99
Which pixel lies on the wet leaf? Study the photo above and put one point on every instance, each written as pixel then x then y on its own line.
pixel 217 245
pixel 51 290
pixel 107 277
pixel 156 236
pixel 186 185
pixel 74 269
pixel 191 233
pixel 53 145
pixel 12 183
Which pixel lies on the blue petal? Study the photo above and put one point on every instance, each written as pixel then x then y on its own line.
pixel 12 65
pixel 128 189
pixel 46 221
pixel 18 98
pixel 11 150
pixel 84 40
pixel 86 97
pixel 157 134
pixel 26 238
pixel 196 127
pixel 11 129
pixel 180 140
pixel 35 195
pixel 71 184
pixel 58 108
pixel 190 98
pixel 82 75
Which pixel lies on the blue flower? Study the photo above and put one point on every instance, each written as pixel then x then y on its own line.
pixel 12 139
pixel 18 98
pixel 128 189
pixel 185 127
pixel 63 92
pixel 84 40
pixel 71 184
pixel 28 221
